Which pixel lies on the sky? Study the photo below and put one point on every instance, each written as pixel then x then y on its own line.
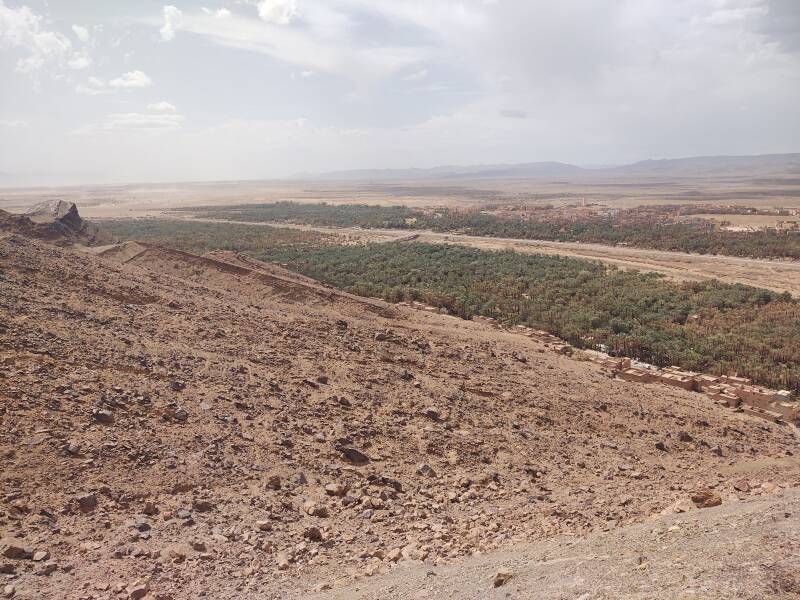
pixel 105 91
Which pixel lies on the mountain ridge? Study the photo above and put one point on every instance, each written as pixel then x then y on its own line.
pixel 712 165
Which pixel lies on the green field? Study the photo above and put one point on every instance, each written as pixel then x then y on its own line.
pixel 657 235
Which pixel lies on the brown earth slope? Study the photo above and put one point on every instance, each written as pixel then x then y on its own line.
pixel 175 426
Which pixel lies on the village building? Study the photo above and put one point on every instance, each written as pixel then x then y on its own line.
pixel 735 392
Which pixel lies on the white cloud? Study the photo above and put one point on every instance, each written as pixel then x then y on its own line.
pixel 278 12
pixel 173 18
pixel 573 80
pixel 79 61
pixel 329 51
pixel 13 124
pixel 81 33
pixel 513 113
pixel 162 106
pixel 733 12
pixel 21 28
pixel 141 123
pixel 222 13
pixel 95 86
pixel 131 79
pixel 416 75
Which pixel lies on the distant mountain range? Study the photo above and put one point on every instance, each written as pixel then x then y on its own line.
pixel 764 165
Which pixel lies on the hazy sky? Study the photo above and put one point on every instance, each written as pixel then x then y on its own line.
pixel 116 90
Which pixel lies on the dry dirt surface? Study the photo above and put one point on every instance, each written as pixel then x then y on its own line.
pixel 748 550
pixel 761 189
pixel 175 426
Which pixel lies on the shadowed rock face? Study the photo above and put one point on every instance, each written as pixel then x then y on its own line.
pixel 55 221
pixel 54 209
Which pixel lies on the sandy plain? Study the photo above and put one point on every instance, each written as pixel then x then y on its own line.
pixel 161 200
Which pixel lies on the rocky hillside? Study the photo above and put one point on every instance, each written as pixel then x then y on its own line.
pixel 178 426
pixel 55 221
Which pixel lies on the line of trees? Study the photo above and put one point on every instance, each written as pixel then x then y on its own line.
pixel 671 236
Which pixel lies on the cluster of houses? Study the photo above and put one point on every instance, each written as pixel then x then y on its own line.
pixel 422 306
pixel 735 392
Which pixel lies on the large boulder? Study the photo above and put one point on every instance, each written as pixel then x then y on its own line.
pixel 56 221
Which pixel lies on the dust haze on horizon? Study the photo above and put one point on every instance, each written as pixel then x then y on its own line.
pixel 100 92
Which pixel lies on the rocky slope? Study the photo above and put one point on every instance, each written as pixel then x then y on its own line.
pixel 176 426
pixel 738 550
pixel 55 221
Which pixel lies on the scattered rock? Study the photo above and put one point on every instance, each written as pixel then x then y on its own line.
pixel 313 509
pixel 394 555
pixel 706 499
pixel 336 489
pixel 742 485
pixel 502 577
pixel 138 589
pixel 87 503
pixel 414 552
pixel 14 550
pixel 202 505
pixel 768 487
pixel 264 525
pixel 432 414
pixel 354 456
pixel 47 569
pixel 41 555
pixel 426 470
pixel 103 416
pixel 681 506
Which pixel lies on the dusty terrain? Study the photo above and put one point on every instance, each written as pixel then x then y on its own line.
pixel 749 550
pixel 176 426
pixel 621 191
pixel 159 200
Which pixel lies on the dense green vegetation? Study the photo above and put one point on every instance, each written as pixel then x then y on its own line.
pixel 323 215
pixel 199 237
pixel 740 329
pixel 677 237
pixel 680 237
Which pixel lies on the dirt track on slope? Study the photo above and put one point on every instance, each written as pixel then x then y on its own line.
pixel 718 545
